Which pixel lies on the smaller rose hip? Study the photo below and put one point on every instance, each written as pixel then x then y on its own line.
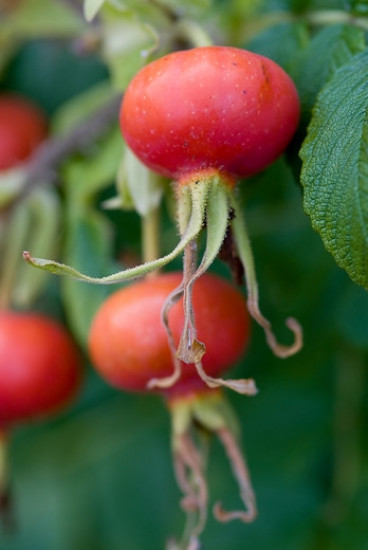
pixel 23 127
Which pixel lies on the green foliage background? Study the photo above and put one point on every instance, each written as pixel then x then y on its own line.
pixel 99 476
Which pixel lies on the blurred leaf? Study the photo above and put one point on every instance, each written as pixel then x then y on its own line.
pixel 281 42
pixel 43 237
pixel 80 107
pixel 88 239
pixel 188 8
pixel 88 247
pixel 126 45
pixel 61 73
pixel 91 8
pixel 331 48
pixel 33 224
pixel 10 184
pixel 350 315
pixel 92 174
pixel 168 8
pixel 35 18
pixel 138 186
pixel 359 7
pixel 335 167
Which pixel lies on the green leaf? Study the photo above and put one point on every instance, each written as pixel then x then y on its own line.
pixel 35 18
pixel 88 248
pixel 335 168
pixel 34 223
pixel 281 42
pixel 11 182
pixel 42 212
pixel 331 48
pixel 138 187
pixel 87 176
pixel 92 7
pixel 126 45
pixel 80 107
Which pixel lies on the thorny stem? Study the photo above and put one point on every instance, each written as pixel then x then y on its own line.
pixel 242 475
pixel 246 257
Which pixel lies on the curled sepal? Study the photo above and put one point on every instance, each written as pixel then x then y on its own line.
pixel 193 228
pixel 194 417
pixel 241 473
pixel 245 254
pixel 244 386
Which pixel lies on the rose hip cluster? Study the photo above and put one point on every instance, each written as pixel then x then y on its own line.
pixel 205 118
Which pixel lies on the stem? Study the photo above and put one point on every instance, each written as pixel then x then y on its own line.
pixel 150 236
pixel 190 350
pixel 242 475
pixel 246 256
pixel 3 461
pixel 6 511
pixel 44 164
pixel 191 204
pixel 350 376
pixel 333 17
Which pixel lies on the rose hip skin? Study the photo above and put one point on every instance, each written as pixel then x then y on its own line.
pixel 22 128
pixel 39 367
pixel 128 342
pixel 210 107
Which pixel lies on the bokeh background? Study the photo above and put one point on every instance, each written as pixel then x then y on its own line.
pixel 99 476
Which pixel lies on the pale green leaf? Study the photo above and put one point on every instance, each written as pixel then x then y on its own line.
pixel 137 185
pixel 92 7
pixel 11 182
pixel 42 212
pixel 35 18
pixel 126 46
pixel 335 168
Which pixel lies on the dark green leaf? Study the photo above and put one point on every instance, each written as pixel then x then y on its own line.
pixel 331 48
pixel 335 170
pixel 281 42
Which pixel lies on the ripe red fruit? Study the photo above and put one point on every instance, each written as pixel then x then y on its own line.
pixel 205 117
pixel 22 128
pixel 129 346
pixel 128 342
pixel 210 107
pixel 39 367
